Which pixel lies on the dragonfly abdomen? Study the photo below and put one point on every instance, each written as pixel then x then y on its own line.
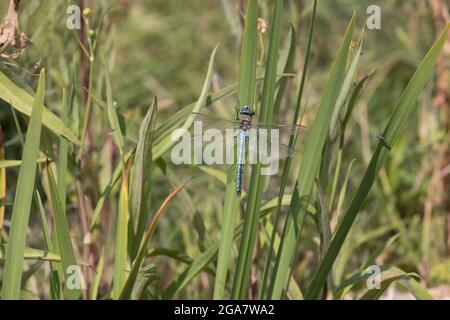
pixel 240 163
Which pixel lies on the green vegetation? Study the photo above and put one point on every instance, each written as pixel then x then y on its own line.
pixel 93 207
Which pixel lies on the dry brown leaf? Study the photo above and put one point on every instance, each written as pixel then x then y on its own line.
pixel 10 35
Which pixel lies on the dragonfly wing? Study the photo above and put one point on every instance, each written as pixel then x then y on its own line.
pixel 266 144
pixel 282 135
pixel 279 126
pixel 213 127
pixel 209 121
pixel 285 132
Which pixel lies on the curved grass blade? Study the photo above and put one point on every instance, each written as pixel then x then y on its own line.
pixel 348 284
pixel 387 277
pixel 416 289
pixel 22 101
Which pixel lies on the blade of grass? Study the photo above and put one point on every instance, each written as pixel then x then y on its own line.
pixel 32 254
pixel 2 184
pixel 348 111
pixel 17 163
pixel 245 92
pixel 323 176
pixel 23 102
pixel 231 209
pixel 128 288
pixel 347 84
pixel 117 174
pixel 121 261
pixel 57 270
pixel 98 276
pixel 287 53
pixel 56 277
pixel 113 116
pixel 73 103
pixel 247 244
pixel 22 201
pixel 416 289
pixel 391 133
pixel 388 277
pixel 269 262
pixel 314 144
pixel 63 156
pixel 64 240
pixel 123 236
pixel 142 182
pixel 346 285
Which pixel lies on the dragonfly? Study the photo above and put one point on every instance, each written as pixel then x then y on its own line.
pixel 251 135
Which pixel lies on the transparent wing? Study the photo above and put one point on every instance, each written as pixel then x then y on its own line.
pixel 220 123
pixel 213 122
pixel 285 130
pixel 268 145
pixel 214 148
pixel 272 140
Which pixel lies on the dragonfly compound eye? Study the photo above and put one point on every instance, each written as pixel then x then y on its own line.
pixel 247 111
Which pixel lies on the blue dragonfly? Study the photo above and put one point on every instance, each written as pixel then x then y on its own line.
pixel 253 138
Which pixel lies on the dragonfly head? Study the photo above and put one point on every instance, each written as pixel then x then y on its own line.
pixel 246 111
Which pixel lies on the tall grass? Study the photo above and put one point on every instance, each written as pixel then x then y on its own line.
pixel 116 219
pixel 22 201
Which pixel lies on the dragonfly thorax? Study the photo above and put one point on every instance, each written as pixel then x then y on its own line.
pixel 246 124
pixel 246 115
